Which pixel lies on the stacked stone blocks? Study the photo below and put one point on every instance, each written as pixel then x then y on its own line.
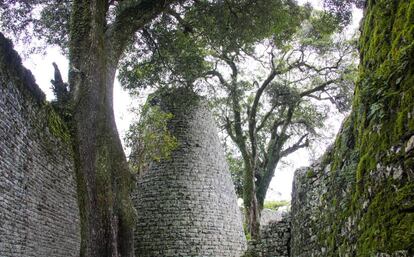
pixel 39 213
pixel 186 205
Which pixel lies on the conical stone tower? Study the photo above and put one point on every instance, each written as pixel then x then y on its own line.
pixel 186 206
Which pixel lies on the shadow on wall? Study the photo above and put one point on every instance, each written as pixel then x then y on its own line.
pixel 38 206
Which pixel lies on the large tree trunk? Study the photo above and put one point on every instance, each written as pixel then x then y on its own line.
pixel 102 172
pixel 103 178
pixel 252 210
pixel 255 194
pixel 262 184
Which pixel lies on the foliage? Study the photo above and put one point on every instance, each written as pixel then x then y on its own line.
pixel 271 78
pixel 275 205
pixel 343 8
pixel 56 126
pixel 150 139
pixel 175 49
pixel 236 172
pixel 37 19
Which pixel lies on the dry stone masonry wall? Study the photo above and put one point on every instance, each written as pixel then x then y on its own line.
pixel 312 209
pixel 324 220
pixel 38 206
pixel 358 200
pixel 274 240
pixel 187 205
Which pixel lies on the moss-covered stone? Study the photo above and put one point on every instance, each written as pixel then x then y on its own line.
pixel 366 208
pixel 56 125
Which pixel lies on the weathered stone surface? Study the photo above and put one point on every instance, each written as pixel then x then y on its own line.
pixel 186 206
pixel 327 219
pixel 38 208
pixel 275 238
pixel 267 216
pixel 358 200
pixel 410 145
pixel 310 209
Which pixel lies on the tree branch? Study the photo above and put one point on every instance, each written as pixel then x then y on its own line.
pixel 296 146
pixel 321 87
pixel 232 65
pixel 229 129
pixel 266 117
pixel 274 155
pixel 188 28
pixel 253 111
pixel 131 16
pixel 219 76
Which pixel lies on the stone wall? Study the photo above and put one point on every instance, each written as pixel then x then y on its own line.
pixel 358 200
pixel 312 203
pixel 38 206
pixel 269 215
pixel 275 239
pixel 327 219
pixel 186 205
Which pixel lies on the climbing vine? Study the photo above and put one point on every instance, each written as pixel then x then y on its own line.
pixel 149 139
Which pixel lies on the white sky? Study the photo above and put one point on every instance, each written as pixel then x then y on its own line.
pixel 281 185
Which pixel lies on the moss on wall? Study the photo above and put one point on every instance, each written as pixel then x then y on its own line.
pixel 56 125
pixel 382 117
pixel 368 207
pixel 383 114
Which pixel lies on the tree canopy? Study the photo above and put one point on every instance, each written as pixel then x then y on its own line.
pixel 271 78
pixel 202 44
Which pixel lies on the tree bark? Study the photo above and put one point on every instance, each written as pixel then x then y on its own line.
pixel 263 184
pixel 103 177
pixel 102 171
pixel 250 202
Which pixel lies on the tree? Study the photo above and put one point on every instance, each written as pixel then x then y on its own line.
pixel 178 55
pixel 95 34
pixel 267 118
pixel 342 9
pixel 272 117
